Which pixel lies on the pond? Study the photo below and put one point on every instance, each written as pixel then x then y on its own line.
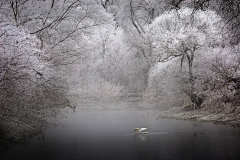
pixel 108 135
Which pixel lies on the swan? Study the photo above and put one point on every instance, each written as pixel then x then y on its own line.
pixel 141 130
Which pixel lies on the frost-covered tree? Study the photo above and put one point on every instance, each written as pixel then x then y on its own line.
pixel 179 34
pixel 113 63
pixel 60 25
pixel 219 76
pixel 227 10
pixel 31 88
pixel 97 73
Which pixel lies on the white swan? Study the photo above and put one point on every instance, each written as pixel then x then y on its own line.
pixel 141 130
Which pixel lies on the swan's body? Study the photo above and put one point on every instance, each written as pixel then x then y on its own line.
pixel 141 130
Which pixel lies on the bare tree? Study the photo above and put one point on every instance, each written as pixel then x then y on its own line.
pixel 220 77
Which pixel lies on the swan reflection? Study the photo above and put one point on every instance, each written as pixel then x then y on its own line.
pixel 142 137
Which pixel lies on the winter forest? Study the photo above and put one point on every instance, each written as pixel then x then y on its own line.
pixel 171 53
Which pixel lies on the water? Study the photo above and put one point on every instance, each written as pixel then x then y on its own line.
pixel 108 135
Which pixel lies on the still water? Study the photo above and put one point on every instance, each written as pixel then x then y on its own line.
pixel 108 135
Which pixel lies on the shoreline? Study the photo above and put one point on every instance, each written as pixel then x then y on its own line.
pixel 232 119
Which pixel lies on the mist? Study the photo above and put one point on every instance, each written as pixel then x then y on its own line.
pixel 63 59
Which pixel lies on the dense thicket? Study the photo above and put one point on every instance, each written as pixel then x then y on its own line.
pixel 188 50
pixel 38 40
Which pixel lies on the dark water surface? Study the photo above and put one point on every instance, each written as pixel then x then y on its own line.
pixel 108 135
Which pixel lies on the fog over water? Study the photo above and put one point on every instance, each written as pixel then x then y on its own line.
pixel 108 134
